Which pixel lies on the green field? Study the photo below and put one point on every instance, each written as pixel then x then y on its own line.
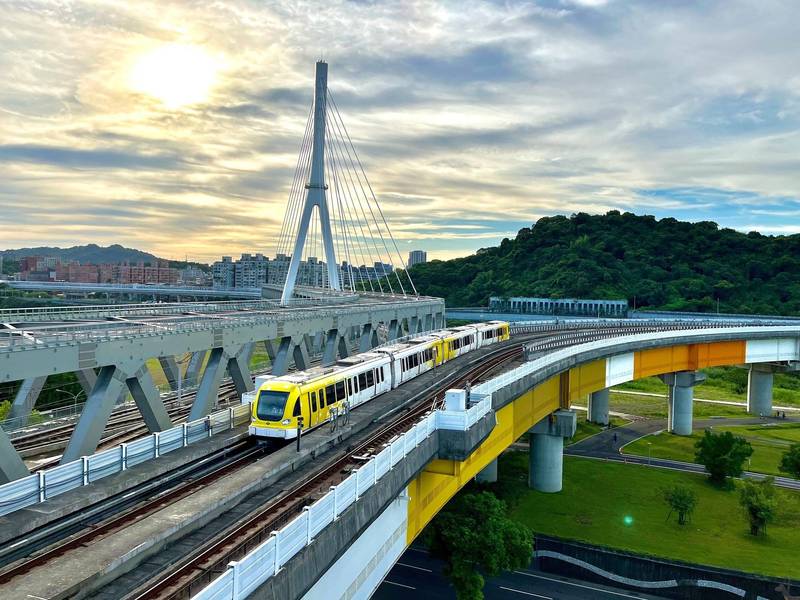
pixel 769 443
pixel 727 383
pixel 598 495
pixel 586 429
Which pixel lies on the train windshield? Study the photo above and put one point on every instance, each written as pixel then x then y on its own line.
pixel 271 405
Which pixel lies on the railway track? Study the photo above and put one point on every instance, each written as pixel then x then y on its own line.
pixel 203 565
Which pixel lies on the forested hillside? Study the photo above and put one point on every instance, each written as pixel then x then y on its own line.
pixel 665 263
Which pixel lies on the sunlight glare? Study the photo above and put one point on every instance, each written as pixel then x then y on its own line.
pixel 175 74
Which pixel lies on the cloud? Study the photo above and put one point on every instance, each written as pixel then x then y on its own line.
pixel 472 118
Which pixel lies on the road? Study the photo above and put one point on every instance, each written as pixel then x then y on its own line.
pixel 604 446
pixel 419 575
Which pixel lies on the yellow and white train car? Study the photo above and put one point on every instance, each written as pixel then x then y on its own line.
pixel 458 341
pixel 413 357
pixel 492 332
pixel 315 393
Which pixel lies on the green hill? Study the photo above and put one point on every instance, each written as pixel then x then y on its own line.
pixel 667 264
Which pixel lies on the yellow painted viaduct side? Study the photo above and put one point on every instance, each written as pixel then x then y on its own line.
pixel 441 479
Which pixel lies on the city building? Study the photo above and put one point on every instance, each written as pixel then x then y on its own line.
pixel 250 271
pixel 417 257
pixel 560 306
pixel 39 268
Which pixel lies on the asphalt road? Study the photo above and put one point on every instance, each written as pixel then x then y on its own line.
pixel 418 575
pixel 604 446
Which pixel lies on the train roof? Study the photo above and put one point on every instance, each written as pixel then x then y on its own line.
pixel 318 372
pixel 409 344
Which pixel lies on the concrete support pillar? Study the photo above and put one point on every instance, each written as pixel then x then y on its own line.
pixel 546 455
pixel 427 322
pixel 194 369
pixel 170 367
pixel 208 391
pixel 759 391
pixel 681 394
pixel 598 407
pixel 488 474
pixel 394 329
pixel 94 416
pixel 148 400
pixel 238 367
pixel 11 465
pixel 26 398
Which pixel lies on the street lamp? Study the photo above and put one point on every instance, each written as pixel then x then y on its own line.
pixel 649 446
pixel 180 364
pixel 74 398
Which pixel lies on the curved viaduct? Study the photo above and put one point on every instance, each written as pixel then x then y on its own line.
pixel 524 399
pixel 343 544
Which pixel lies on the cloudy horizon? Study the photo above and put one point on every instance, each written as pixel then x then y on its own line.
pixel 174 127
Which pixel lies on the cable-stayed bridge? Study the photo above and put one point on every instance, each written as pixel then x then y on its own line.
pixel 196 510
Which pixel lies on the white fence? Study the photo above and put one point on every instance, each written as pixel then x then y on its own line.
pixel 243 577
pixel 88 469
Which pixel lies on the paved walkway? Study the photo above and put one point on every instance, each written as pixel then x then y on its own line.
pixel 603 445
pixel 704 400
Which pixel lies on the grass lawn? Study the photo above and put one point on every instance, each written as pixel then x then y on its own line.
pixel 598 495
pixel 586 429
pixel 769 443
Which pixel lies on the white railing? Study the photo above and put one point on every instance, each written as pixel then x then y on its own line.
pixel 244 576
pixel 88 469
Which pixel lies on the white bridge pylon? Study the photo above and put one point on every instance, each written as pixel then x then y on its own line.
pixel 315 194
pixel 332 210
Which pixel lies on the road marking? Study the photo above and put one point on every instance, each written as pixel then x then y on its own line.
pixel 402 585
pixel 586 587
pixel 413 567
pixel 526 593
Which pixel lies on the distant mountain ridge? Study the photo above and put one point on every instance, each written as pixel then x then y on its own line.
pixel 90 253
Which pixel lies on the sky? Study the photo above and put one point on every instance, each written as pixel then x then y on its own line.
pixel 174 127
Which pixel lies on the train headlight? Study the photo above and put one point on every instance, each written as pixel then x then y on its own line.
pixel 285 422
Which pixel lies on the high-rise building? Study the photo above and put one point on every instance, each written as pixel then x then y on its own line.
pixel 250 271
pixel 417 257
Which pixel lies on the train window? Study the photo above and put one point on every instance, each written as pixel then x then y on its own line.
pixel 329 396
pixel 349 387
pixel 271 404
pixel 313 396
pixel 297 410
pixel 379 373
pixel 340 390
pixel 362 381
pixel 370 379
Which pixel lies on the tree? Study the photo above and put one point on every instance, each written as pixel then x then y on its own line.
pixel 722 454
pixel 790 461
pixel 758 500
pixel 473 535
pixel 681 500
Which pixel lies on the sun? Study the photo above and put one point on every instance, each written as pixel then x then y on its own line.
pixel 175 74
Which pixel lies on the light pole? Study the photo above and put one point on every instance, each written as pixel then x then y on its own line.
pixel 649 446
pixel 180 364
pixel 74 398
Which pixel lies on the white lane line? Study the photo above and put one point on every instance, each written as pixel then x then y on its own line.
pixel 413 567
pixel 526 593
pixel 586 587
pixel 399 584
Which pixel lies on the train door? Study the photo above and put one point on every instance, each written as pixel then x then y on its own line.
pixel 314 413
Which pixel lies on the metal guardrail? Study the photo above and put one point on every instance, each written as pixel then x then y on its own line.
pixel 88 469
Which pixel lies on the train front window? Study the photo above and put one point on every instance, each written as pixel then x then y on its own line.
pixel 271 405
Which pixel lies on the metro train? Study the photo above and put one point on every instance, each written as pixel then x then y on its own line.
pixel 319 393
